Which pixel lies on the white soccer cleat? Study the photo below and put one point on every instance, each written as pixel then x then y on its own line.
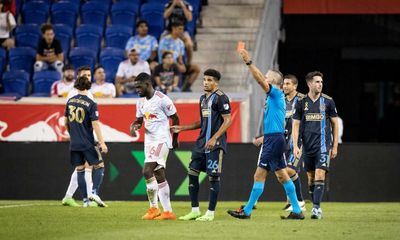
pixel 316 213
pixel 98 200
pixel 302 205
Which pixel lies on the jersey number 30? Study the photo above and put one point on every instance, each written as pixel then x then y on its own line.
pixel 76 114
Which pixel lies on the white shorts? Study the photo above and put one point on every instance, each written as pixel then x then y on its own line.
pixel 156 152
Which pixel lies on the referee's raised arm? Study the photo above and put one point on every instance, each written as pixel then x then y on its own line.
pixel 257 74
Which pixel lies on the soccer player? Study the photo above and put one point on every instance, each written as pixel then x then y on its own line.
pixel 272 155
pixel 312 120
pixel 81 118
pixel 155 109
pixel 290 83
pixel 68 199
pixel 215 119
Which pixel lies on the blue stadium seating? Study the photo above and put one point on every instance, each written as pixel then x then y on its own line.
pixel 89 36
pixel 42 82
pixel 117 36
pixel 153 13
pixel 3 60
pixel 158 1
pixel 64 35
pixel 95 13
pixel 75 2
pixel 105 2
pixel 191 26
pixel 64 12
pixel 138 2
pixel 124 13
pixel 27 35
pixel 79 57
pixel 16 82
pixel 110 59
pixel 35 12
pixel 22 58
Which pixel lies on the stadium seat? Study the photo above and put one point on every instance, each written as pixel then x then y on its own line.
pixel 27 35
pixel 110 59
pixel 16 82
pixel 42 82
pixel 75 2
pixel 64 12
pixel 138 2
pixel 124 13
pixel 153 13
pixel 64 35
pixel 3 60
pixel 105 2
pixel 158 1
pixel 117 36
pixel 191 26
pixel 48 2
pixel 89 36
pixel 79 57
pixel 22 58
pixel 94 12
pixel 35 12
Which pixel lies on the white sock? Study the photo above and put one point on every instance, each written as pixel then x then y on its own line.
pixel 152 189
pixel 89 181
pixel 73 185
pixel 163 194
pixel 210 212
pixel 195 209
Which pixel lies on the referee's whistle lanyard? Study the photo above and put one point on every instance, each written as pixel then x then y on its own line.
pixel 209 117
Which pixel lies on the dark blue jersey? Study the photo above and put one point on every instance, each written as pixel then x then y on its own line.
pixel 290 106
pixel 211 110
pixel 81 111
pixel 315 124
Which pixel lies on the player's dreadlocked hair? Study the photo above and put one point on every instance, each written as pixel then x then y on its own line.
pixel 82 83
pixel 143 77
pixel 213 73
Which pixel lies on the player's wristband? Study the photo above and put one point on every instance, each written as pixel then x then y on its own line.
pixel 249 63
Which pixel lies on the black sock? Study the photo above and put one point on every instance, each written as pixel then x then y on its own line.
pixel 311 191
pixel 194 190
pixel 318 193
pixel 214 190
pixel 297 184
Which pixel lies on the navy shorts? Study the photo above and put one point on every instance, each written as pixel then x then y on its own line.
pixel 272 157
pixel 91 155
pixel 210 163
pixel 316 161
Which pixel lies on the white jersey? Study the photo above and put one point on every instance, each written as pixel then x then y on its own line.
pixel 156 112
pixel 74 92
pixel 99 90
pixel 61 88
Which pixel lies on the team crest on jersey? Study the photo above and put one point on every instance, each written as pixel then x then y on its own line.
pixel 226 106
pixel 150 116
pixel 306 106
pixel 169 107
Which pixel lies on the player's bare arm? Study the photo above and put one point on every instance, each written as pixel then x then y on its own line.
pixel 180 128
pixel 136 125
pixel 257 74
pixel 225 125
pixel 295 136
pixel 335 133
pixel 100 139
pixel 175 122
pixel 66 123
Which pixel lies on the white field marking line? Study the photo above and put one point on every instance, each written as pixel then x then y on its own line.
pixel 25 205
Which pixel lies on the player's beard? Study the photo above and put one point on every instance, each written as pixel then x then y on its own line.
pixel 69 78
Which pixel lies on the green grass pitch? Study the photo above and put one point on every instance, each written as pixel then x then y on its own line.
pixel 50 220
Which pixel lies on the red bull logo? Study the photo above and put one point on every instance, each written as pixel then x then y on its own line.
pixel 150 116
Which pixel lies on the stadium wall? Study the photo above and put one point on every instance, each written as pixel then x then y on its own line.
pixel 361 173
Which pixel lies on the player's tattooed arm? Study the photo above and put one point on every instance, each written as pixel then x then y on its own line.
pixel 136 125
pixel 175 122
pixel 225 125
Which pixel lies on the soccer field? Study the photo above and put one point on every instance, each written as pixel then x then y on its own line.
pixel 50 220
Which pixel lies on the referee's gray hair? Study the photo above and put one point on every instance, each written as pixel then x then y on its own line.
pixel 278 77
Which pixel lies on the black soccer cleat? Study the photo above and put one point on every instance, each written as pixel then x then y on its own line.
pixel 238 214
pixel 287 206
pixel 293 216
pixel 254 207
